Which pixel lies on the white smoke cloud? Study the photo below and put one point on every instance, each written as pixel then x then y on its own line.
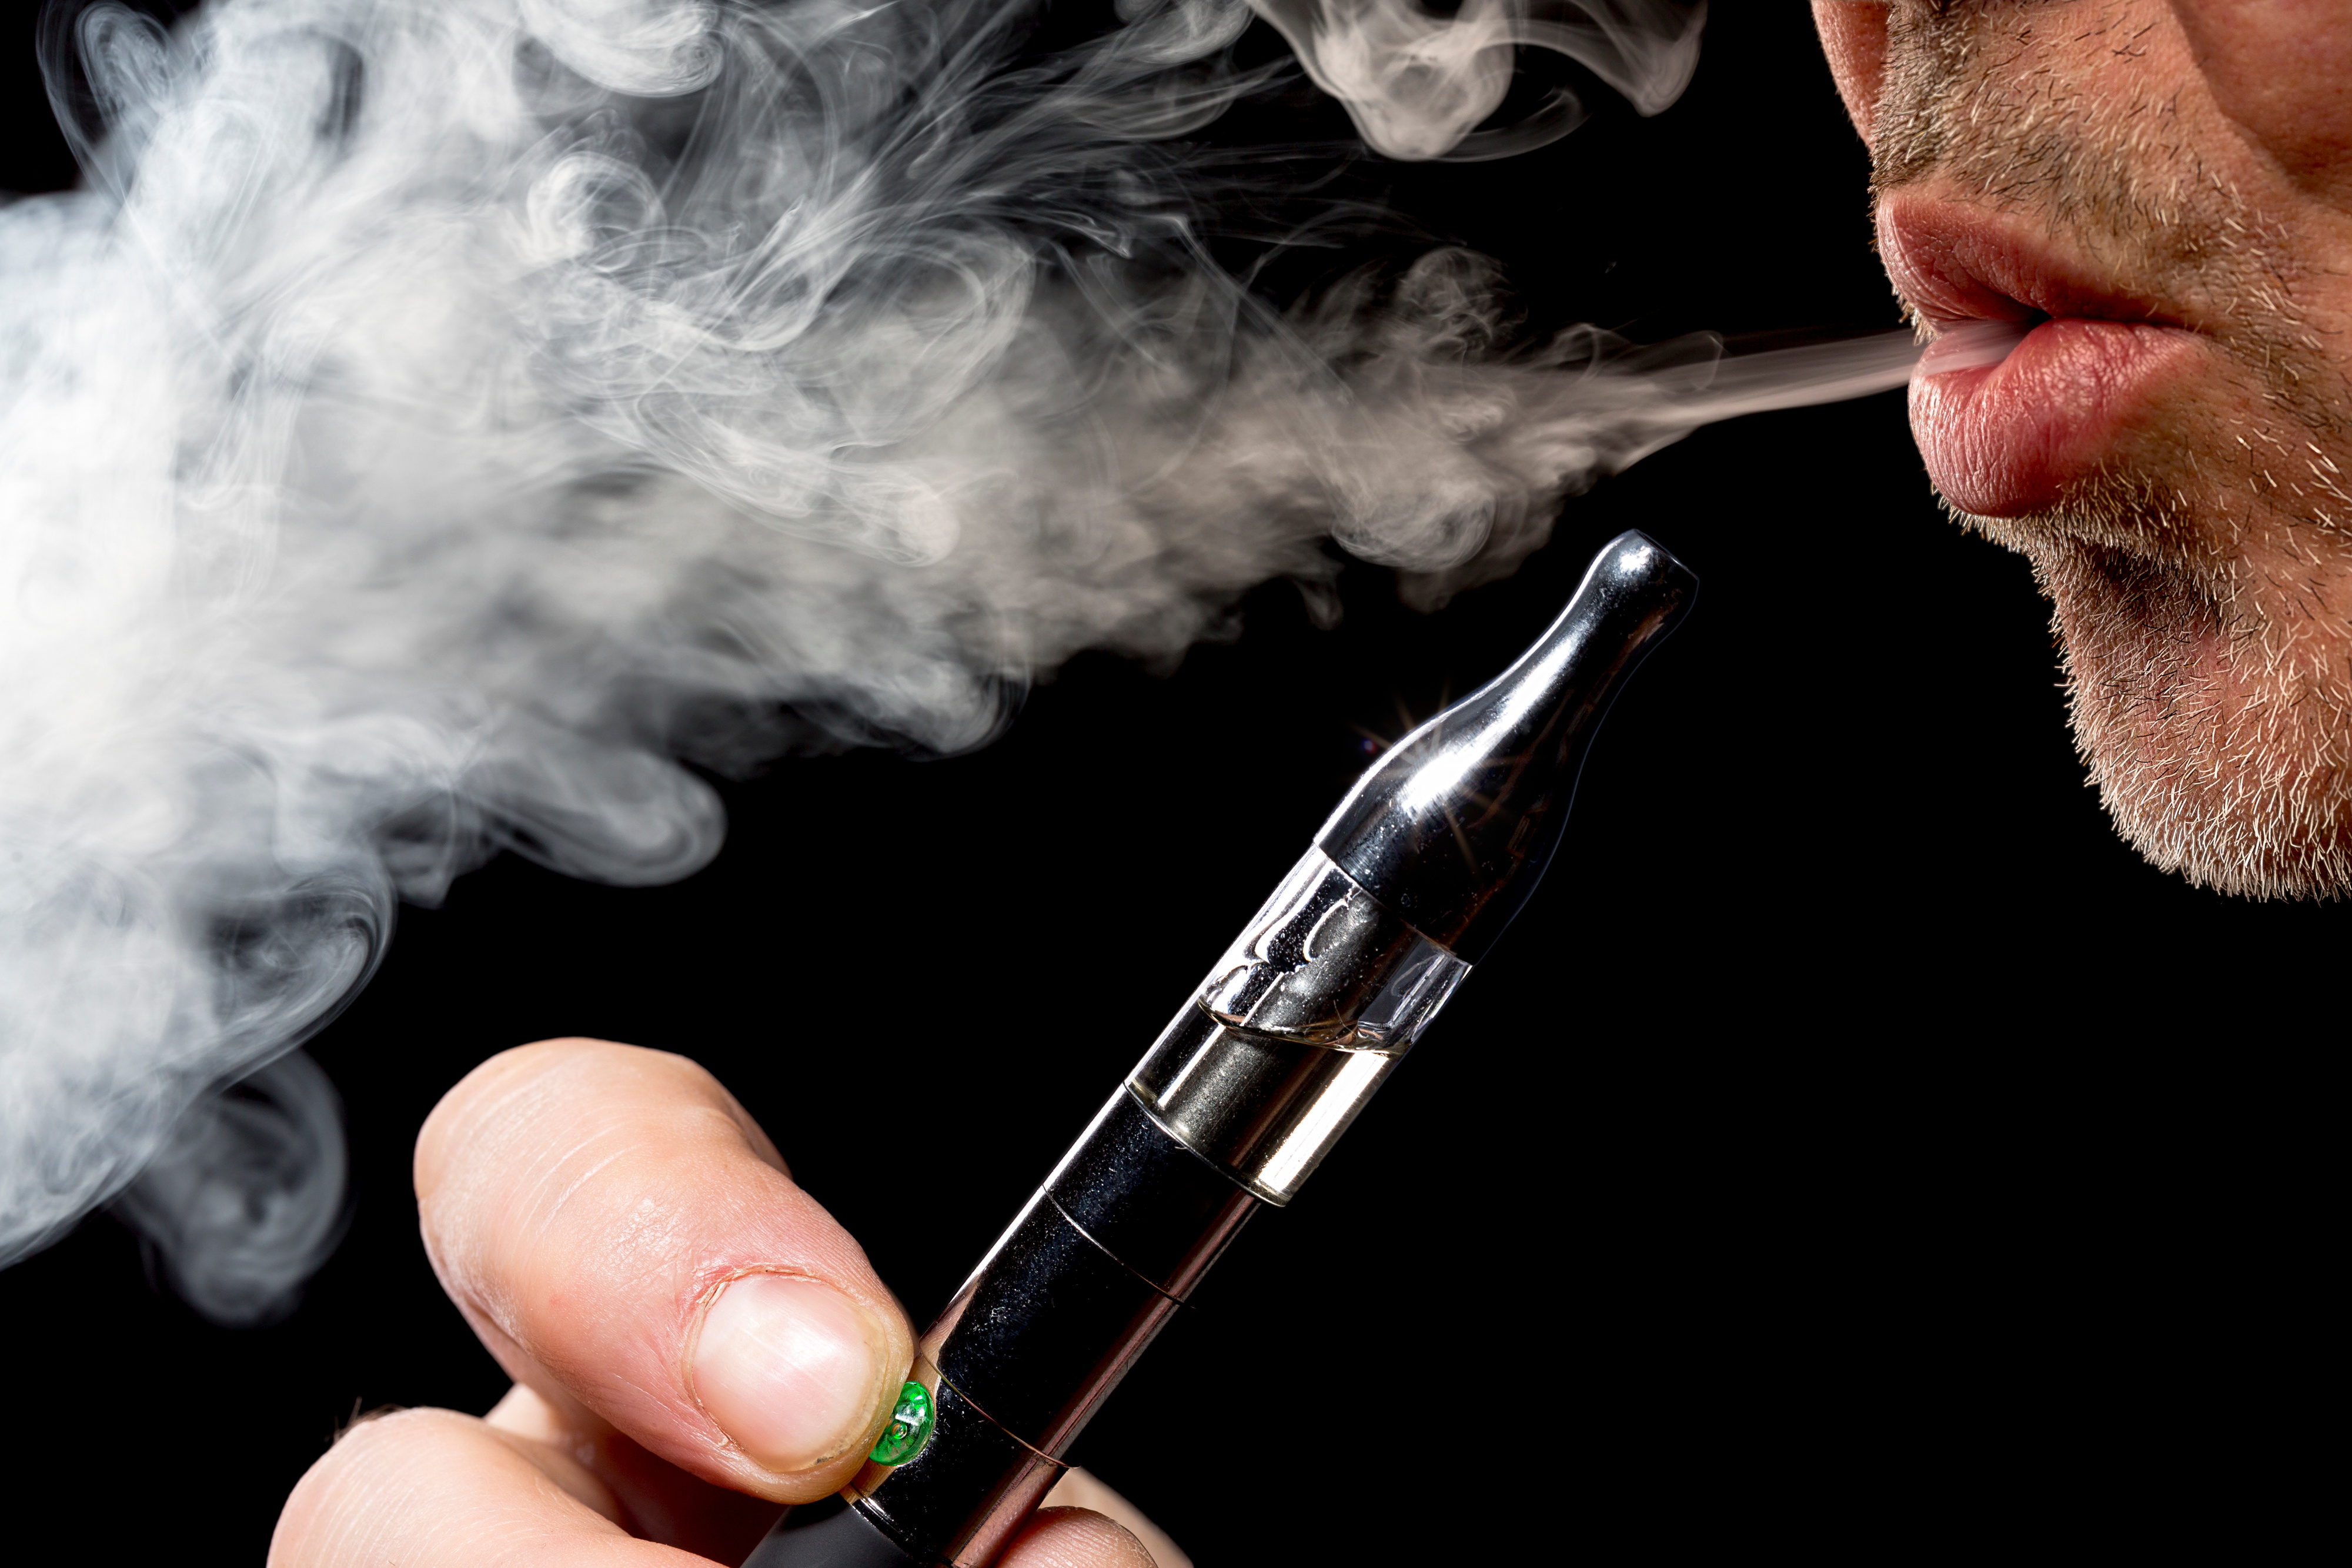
pixel 436 419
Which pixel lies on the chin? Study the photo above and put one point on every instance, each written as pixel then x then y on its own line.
pixel 2211 706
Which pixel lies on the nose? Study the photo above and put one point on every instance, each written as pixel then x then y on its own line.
pixel 1853 36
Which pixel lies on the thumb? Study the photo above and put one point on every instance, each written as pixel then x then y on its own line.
pixel 627 1243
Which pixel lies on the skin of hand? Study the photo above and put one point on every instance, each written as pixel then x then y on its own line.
pixel 2186 167
pixel 693 1341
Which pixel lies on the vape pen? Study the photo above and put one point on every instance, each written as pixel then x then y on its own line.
pixel 1407 885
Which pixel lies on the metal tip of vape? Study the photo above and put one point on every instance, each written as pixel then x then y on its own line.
pixel 1454 827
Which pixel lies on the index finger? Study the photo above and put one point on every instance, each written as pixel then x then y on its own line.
pixel 627 1243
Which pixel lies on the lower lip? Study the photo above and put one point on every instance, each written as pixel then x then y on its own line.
pixel 2006 440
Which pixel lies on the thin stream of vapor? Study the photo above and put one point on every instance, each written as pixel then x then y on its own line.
pixel 442 426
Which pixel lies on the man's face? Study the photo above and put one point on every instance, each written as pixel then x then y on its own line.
pixel 2164 193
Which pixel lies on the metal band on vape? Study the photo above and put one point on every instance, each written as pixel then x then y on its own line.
pixel 1076 1289
pixel 1300 1022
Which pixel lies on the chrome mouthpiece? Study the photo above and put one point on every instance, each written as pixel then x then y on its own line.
pixel 1454 827
pixel 1408 884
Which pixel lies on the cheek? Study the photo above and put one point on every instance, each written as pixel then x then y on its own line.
pixel 2282 70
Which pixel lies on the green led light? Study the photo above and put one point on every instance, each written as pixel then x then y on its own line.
pixel 909 1428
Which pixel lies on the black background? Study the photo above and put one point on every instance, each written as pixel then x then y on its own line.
pixel 1855 1149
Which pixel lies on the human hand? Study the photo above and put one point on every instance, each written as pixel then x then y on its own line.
pixel 694 1340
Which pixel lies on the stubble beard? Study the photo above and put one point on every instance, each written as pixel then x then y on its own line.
pixel 2213 729
pixel 2198 584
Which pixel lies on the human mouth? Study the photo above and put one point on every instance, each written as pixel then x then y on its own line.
pixel 2041 370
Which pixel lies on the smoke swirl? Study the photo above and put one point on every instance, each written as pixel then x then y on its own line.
pixel 1417 84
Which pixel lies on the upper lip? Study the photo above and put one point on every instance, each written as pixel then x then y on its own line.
pixel 1955 264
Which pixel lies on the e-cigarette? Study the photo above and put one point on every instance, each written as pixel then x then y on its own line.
pixel 1407 885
